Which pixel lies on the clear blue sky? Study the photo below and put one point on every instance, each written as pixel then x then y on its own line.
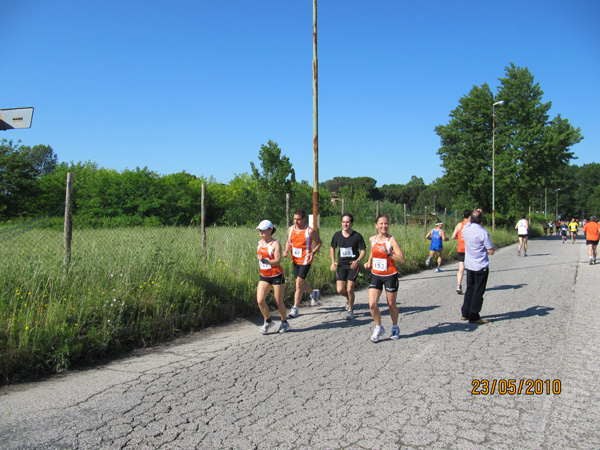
pixel 200 85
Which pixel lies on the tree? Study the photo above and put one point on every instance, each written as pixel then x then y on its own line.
pixel 530 148
pixel 18 180
pixel 273 181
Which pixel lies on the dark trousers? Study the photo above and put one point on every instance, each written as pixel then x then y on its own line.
pixel 473 301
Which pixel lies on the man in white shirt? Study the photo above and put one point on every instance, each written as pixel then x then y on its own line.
pixel 477 247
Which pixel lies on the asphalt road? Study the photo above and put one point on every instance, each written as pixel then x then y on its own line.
pixel 325 385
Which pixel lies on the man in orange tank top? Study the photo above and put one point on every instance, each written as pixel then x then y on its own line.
pixel 302 244
pixel 460 248
pixel 592 235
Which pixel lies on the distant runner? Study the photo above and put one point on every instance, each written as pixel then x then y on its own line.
pixel 522 228
pixel 437 236
pixel 573 227
pixel 564 228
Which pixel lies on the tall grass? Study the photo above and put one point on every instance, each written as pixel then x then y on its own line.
pixel 132 287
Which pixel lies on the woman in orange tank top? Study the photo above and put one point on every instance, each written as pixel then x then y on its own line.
pixel 271 276
pixel 385 253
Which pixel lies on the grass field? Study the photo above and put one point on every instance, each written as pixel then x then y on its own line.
pixel 133 287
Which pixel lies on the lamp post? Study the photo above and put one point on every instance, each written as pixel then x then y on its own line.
pixel 557 203
pixel 501 102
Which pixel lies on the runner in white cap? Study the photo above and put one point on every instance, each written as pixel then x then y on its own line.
pixel 271 276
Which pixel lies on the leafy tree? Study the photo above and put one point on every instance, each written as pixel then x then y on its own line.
pixel 273 181
pixel 18 180
pixel 529 150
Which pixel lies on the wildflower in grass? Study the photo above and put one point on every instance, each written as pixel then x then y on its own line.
pixel 26 328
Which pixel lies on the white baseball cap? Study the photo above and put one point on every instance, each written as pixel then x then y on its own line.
pixel 264 225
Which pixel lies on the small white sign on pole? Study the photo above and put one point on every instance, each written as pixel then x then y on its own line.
pixel 14 118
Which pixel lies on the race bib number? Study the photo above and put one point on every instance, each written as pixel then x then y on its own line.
pixel 264 266
pixel 346 252
pixel 380 264
pixel 297 252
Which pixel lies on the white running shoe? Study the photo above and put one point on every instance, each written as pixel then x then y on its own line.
pixel 350 315
pixel 459 290
pixel 379 331
pixel 438 269
pixel 265 328
pixel 395 333
pixel 428 261
pixel 347 305
pixel 285 326
pixel 314 297
pixel 294 312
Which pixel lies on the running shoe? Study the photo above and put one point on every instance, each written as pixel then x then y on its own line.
pixel 591 262
pixel 350 315
pixel 266 326
pixel 294 312
pixel 395 333
pixel 525 254
pixel 379 331
pixel 347 305
pixel 314 298
pixel 428 261
pixel 285 326
pixel 438 269
pixel 459 290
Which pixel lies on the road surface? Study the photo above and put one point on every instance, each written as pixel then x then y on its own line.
pixel 325 385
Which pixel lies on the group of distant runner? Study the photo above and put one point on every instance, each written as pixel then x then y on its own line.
pixel 303 242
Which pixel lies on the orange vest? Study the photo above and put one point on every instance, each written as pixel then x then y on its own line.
pixel 302 245
pixel 592 231
pixel 460 247
pixel 383 264
pixel 267 251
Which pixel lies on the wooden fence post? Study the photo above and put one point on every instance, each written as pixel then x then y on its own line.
pixel 405 229
pixel 203 216
pixel 287 211
pixel 68 224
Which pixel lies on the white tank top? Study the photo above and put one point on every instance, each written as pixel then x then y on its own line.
pixel 522 227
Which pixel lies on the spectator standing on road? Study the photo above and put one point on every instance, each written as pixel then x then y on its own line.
pixel 592 235
pixel 573 227
pixel 352 250
pixel 385 252
pixel 303 242
pixel 460 249
pixel 477 247
pixel 522 228
pixel 437 236
pixel 271 276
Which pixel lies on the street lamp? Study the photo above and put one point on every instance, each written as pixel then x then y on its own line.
pixel 501 102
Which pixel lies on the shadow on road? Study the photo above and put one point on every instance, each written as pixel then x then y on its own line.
pixel 450 327
pixel 504 287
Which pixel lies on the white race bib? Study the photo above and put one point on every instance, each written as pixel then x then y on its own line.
pixel 380 264
pixel 346 252
pixel 297 252
pixel 263 265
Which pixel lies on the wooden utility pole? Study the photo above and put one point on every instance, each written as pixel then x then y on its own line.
pixel 315 122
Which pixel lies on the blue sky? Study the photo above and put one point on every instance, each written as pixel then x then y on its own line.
pixel 199 86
